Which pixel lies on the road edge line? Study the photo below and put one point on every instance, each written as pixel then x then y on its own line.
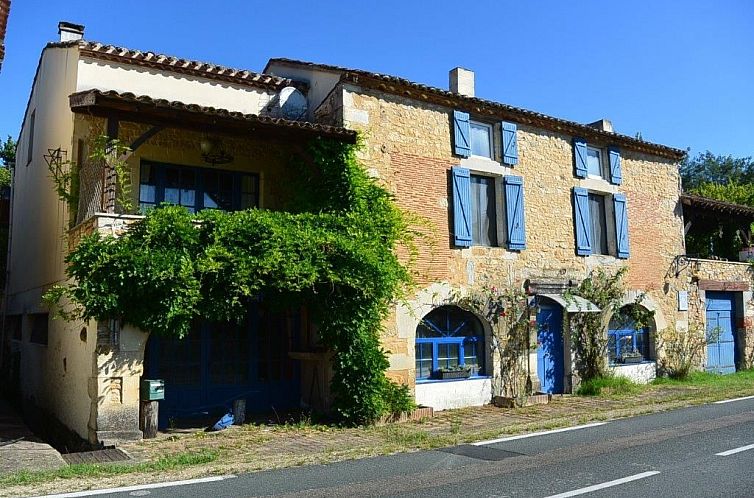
pixel 169 484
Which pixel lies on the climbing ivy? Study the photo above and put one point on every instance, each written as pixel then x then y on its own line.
pixel 333 250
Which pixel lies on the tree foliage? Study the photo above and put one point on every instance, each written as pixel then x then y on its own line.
pixel 335 254
pixel 707 168
pixel 8 158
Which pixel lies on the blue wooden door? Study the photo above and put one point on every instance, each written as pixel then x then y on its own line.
pixel 550 348
pixel 219 362
pixel 721 344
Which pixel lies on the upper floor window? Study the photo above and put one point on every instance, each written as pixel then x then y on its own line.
pixel 483 211
pixel 196 188
pixel 594 162
pixel 481 139
pixel 30 138
pixel 599 223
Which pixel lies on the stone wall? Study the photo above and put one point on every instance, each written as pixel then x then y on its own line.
pixel 408 146
pixel 703 275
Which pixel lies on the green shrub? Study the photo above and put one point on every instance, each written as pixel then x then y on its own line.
pixel 398 398
pixel 607 385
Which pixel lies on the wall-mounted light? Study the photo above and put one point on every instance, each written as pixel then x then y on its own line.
pixel 213 151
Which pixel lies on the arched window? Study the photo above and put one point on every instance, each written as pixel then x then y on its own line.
pixel 449 338
pixel 627 343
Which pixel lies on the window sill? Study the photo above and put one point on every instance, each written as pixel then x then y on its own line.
pixel 618 365
pixel 481 164
pixel 435 381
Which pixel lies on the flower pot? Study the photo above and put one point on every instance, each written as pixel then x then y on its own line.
pixel 630 360
pixel 454 374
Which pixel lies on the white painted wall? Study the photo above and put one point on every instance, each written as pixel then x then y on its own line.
pixel 448 394
pixel 104 75
pixel 320 82
pixel 641 373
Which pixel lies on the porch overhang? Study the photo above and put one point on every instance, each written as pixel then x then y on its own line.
pixel 164 113
pixel 573 304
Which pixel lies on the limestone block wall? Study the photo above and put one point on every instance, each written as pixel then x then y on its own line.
pixel 408 146
pixel 704 275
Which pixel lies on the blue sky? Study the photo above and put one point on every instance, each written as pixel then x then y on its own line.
pixel 681 73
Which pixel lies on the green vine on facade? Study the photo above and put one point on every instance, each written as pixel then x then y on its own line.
pixel 333 250
pixel 507 312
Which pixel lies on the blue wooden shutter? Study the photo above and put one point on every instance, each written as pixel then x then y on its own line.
pixel 462 132
pixel 621 225
pixel 514 212
pixel 582 220
pixel 579 157
pixel 616 176
pixel 510 143
pixel 461 206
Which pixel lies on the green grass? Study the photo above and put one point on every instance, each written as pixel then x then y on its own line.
pixel 608 386
pixel 172 462
pixel 740 379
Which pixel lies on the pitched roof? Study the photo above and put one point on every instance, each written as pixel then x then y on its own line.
pixel 717 206
pixel 4 12
pixel 410 89
pixel 170 63
pixel 179 114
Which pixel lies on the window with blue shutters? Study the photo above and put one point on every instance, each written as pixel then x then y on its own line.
pixel 510 143
pixel 580 157
pixel 616 175
pixel 461 186
pixel 590 161
pixel 582 221
pixel 514 212
pixel 621 225
pixel 462 133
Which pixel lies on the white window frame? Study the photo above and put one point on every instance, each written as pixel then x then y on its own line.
pixel 490 134
pixel 601 156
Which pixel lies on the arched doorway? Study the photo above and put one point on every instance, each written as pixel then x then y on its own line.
pixel 449 338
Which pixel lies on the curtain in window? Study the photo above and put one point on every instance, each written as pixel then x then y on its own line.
pixel 483 213
pixel 599 224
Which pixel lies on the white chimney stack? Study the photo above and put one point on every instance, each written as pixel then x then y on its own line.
pixel 462 81
pixel 602 124
pixel 69 31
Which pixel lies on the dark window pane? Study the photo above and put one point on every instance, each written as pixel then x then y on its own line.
pixel 599 223
pixel 39 331
pixel 483 212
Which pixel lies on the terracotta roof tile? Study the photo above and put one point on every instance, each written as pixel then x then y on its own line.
pixel 407 88
pixel 89 98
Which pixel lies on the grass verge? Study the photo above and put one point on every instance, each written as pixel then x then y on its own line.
pixel 609 386
pixel 167 463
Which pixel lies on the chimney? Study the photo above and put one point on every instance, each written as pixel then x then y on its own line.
pixel 602 124
pixel 462 81
pixel 69 31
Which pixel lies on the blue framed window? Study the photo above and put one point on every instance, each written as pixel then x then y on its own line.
pixel 624 337
pixel 196 188
pixel 449 337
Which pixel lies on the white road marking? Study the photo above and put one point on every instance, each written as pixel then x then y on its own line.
pixel 95 492
pixel 604 485
pixel 736 450
pixel 533 434
pixel 721 402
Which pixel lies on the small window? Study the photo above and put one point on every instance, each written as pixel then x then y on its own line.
pixel 481 139
pixel 449 338
pixel 39 323
pixel 625 342
pixel 30 138
pixel 599 224
pixel 483 211
pixel 594 162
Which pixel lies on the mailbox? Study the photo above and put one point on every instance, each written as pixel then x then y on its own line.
pixel 152 389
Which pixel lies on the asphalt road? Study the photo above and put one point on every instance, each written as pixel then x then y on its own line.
pixel 705 451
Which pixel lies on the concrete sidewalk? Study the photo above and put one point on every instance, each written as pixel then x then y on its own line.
pixel 20 449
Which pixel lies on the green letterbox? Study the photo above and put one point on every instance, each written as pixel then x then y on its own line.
pixel 152 389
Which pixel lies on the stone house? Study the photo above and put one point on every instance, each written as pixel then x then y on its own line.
pixel 513 197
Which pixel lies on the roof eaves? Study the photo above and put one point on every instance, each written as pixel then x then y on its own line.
pixel 410 89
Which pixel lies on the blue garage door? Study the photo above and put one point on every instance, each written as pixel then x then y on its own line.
pixel 550 348
pixel 721 344
pixel 219 362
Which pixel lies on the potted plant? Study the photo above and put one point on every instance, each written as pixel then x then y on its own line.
pixel 631 357
pixel 457 372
